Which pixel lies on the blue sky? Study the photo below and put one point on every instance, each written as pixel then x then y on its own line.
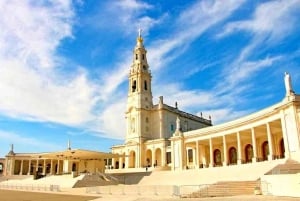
pixel 64 64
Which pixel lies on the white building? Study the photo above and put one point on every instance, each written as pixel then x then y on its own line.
pixel 164 136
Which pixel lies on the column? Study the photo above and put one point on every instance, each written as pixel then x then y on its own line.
pixel 121 162
pixel 37 165
pixel 163 157
pixel 211 162
pixel 113 162
pixel 284 135
pixel 153 157
pixel 270 142
pixel 21 169
pixel 239 151
pixel 58 167
pixel 12 166
pixel 29 167
pixel 254 159
pixel 127 160
pixel 187 158
pixel 225 162
pixel 173 167
pixel 197 155
pixel 51 167
pixel 44 167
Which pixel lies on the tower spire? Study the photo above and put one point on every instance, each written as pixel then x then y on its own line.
pixel 139 40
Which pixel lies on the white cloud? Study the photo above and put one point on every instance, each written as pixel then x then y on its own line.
pixel 274 19
pixel 223 115
pixel 191 23
pixel 237 73
pixel 112 120
pixel 21 142
pixel 31 86
pixel 204 15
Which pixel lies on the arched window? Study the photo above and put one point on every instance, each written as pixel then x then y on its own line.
pixel 265 150
pixel 74 167
pixel 249 153
pixel 145 85
pixel 232 155
pixel 143 57
pixel 136 57
pixel 217 157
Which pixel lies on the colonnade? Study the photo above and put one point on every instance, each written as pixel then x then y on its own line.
pixel 30 166
pixel 254 144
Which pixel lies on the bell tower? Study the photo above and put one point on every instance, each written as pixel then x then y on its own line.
pixel 139 102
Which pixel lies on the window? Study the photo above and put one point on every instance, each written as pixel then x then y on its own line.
pixel 168 157
pixel 172 127
pixel 136 56
pixel 145 85
pixel 147 119
pixel 143 56
pixel 190 155
pixel 134 86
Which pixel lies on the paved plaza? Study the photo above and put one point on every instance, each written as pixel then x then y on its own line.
pixel 12 195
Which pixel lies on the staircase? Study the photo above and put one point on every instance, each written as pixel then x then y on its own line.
pixel 130 178
pixel 226 188
pixel 290 167
pixel 97 179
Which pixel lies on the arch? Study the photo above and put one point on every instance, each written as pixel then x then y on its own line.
pixel 217 157
pixel 117 165
pixel 73 167
pixel 248 153
pixel 232 155
pixel 282 148
pixel 157 161
pixel 131 159
pixel 148 158
pixel 265 150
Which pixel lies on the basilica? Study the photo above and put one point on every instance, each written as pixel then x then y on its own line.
pixel 162 136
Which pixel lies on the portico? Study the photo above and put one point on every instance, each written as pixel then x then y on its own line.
pixel 262 136
pixel 73 161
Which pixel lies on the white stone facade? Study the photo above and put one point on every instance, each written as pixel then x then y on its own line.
pixel 163 136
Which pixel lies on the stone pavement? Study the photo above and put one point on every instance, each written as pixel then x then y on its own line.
pixel 12 195
pixel 80 195
pixel 159 198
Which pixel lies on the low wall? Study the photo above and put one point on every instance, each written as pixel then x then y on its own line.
pixel 281 185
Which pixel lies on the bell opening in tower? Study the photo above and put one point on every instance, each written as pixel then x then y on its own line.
pixel 134 86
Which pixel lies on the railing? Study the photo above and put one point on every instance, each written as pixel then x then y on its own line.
pixel 30 187
pixel 135 190
pixel 155 190
pixel 266 188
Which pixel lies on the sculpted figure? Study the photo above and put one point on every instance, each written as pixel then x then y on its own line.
pixel 288 83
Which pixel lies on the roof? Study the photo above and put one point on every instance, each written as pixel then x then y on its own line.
pixel 75 154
